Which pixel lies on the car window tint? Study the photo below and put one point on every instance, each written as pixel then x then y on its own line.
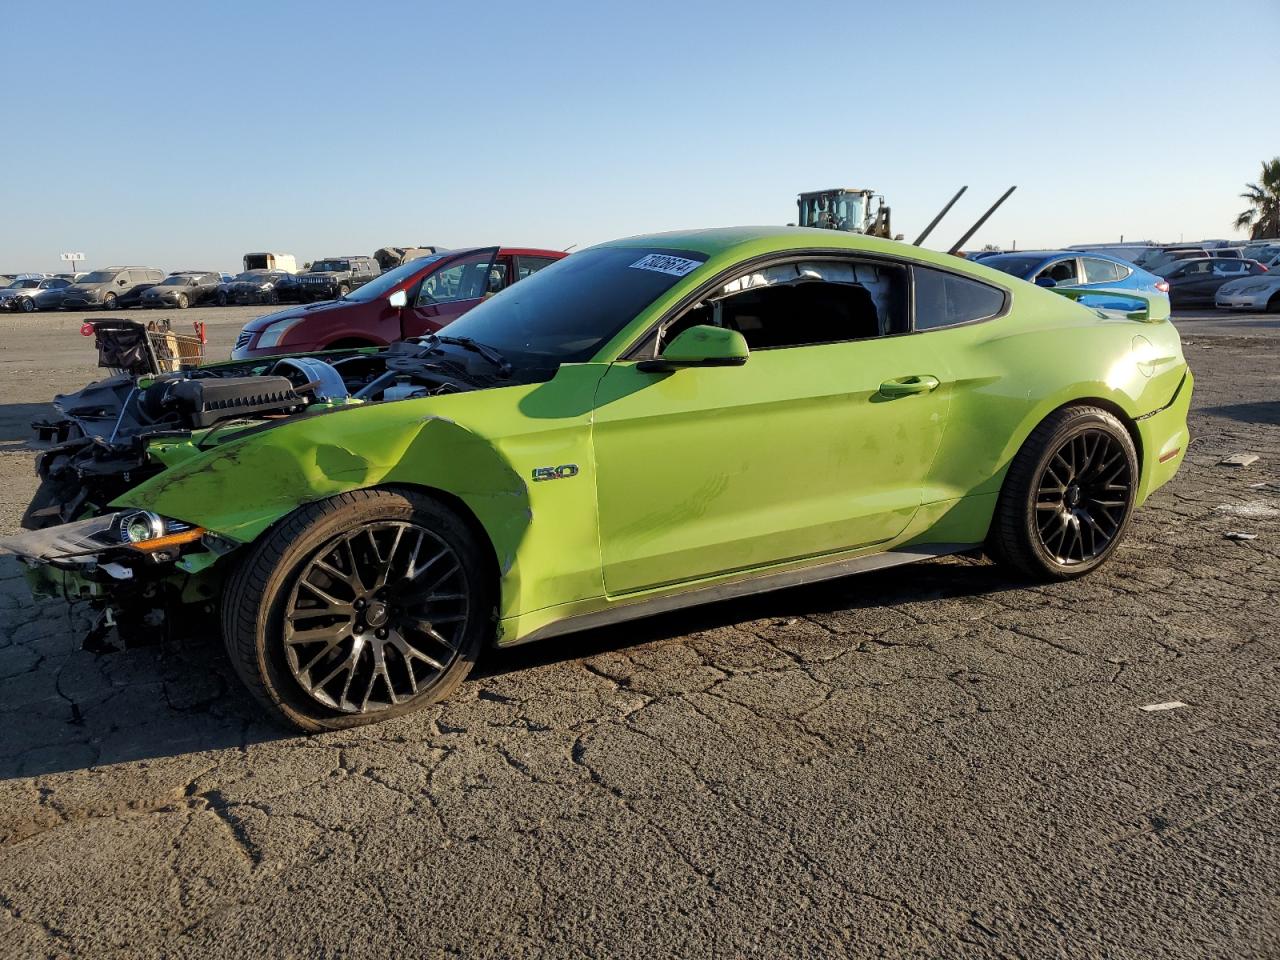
pixel 805 303
pixel 1101 271
pixel 531 265
pixel 465 279
pixel 944 299
pixel 1061 272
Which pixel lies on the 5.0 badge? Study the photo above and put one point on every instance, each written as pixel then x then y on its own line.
pixel 562 472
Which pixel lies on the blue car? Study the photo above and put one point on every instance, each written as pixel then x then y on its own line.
pixel 1076 268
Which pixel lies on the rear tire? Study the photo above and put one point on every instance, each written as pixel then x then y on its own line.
pixel 1068 497
pixel 294 584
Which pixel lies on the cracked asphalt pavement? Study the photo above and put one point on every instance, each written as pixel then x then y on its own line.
pixel 931 760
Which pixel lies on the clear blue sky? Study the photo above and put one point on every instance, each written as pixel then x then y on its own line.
pixel 182 135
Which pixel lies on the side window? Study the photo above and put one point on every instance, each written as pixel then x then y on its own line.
pixel 464 279
pixel 805 303
pixel 1101 271
pixel 945 300
pixel 531 265
pixel 1061 272
pixel 498 273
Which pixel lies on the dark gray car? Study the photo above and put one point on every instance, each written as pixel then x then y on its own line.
pixel 111 287
pixel 252 286
pixel 182 289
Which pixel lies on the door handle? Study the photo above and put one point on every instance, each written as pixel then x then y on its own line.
pixel 906 386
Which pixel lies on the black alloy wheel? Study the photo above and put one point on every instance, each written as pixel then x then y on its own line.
pixel 1083 498
pixel 376 616
pixel 1068 496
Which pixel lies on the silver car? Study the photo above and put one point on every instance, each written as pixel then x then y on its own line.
pixel 1251 293
pixel 25 293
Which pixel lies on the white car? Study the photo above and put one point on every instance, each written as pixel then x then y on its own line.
pixel 1251 293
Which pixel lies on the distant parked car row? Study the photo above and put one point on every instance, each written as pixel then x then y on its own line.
pixel 267 278
pixel 1245 277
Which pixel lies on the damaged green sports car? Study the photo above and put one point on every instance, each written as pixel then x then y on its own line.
pixel 647 424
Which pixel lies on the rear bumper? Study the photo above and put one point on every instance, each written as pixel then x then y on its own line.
pixel 1164 437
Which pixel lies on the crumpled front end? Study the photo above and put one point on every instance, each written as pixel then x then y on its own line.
pixel 134 567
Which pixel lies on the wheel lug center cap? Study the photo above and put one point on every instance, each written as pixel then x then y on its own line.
pixel 1073 496
pixel 376 613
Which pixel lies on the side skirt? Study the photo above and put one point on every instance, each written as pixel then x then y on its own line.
pixel 740 586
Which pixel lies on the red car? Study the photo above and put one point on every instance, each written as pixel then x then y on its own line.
pixel 412 300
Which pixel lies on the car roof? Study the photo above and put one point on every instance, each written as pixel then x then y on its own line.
pixel 735 243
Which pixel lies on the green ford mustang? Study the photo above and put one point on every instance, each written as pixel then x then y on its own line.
pixel 647 424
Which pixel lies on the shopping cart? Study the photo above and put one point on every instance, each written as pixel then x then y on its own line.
pixel 128 346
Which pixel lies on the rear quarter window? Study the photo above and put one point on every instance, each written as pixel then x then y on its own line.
pixel 946 300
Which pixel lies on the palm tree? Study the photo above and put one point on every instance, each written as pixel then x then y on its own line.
pixel 1262 218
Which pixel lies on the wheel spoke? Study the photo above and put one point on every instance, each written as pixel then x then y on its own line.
pixel 1083 497
pixel 348 639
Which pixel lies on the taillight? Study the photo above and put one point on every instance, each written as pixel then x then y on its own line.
pixel 1162 286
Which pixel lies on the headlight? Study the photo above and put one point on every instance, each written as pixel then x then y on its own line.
pixel 147 531
pixel 274 333
pixel 139 530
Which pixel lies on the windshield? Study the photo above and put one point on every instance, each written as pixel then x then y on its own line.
pixel 179 280
pixel 98 276
pixel 1013 265
pixel 569 310
pixel 330 266
pixel 24 284
pixel 382 284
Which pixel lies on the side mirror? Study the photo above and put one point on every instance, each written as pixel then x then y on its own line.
pixel 1046 282
pixel 700 346
pixel 121 283
pixel 399 299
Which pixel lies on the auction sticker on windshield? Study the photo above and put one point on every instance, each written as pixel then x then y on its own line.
pixel 661 263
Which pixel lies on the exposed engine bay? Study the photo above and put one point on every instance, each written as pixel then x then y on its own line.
pixel 117 432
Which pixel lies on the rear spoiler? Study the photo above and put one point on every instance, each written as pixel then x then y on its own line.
pixel 1148 307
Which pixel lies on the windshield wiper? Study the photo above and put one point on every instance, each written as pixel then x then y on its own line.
pixel 493 356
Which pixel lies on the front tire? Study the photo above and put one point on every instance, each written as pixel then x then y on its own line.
pixel 359 608
pixel 27 304
pixel 1068 497
pixel 109 302
pixel 183 302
